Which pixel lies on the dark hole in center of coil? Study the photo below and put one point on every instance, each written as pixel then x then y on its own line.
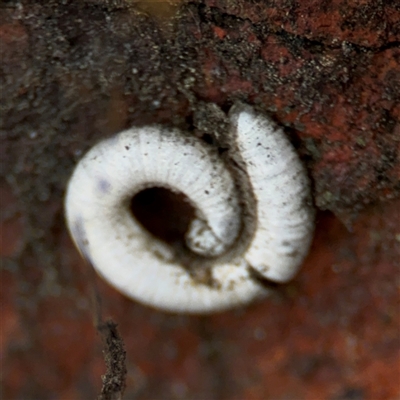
pixel 163 213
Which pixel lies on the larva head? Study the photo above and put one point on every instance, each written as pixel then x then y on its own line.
pixel 203 241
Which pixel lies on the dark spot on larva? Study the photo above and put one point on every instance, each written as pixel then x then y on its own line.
pixel 127 147
pixel 293 253
pixel 285 243
pixel 104 186
pixel 79 234
pixel 206 192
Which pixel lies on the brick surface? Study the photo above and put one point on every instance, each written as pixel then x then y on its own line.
pixel 75 72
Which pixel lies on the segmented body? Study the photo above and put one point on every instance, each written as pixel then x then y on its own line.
pixel 266 227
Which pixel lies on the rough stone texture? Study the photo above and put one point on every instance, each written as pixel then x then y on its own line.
pixel 341 98
pixel 74 72
pixel 368 23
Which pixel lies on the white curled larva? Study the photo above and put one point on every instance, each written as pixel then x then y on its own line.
pixel 252 213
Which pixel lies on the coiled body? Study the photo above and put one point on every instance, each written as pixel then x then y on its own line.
pixel 258 218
